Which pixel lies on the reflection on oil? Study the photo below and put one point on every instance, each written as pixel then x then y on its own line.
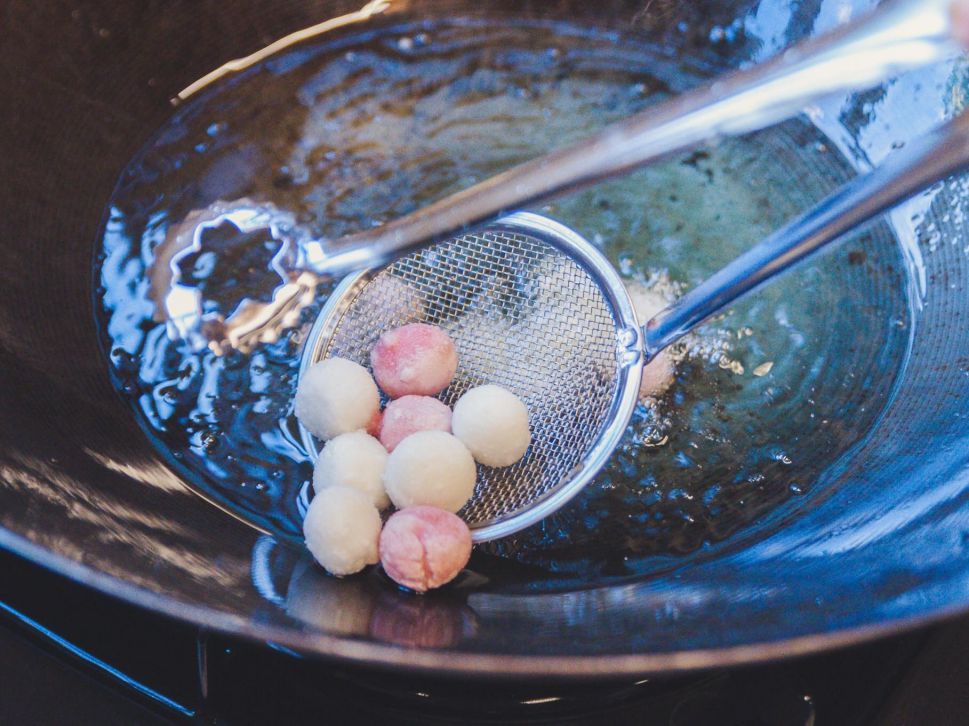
pixel 368 605
pixel 342 607
pixel 421 622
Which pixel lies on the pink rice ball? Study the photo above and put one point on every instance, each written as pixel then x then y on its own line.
pixel 959 11
pixel 424 547
pixel 416 359
pixel 409 414
pixel 376 421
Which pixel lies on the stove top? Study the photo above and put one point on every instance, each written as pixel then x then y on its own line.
pixel 72 655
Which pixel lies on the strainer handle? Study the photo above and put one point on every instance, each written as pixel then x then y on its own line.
pixel 899 35
pixel 918 165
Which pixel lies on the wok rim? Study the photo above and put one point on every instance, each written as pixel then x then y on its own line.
pixel 457 662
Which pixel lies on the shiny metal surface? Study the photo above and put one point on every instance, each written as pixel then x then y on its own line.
pixel 882 546
pixel 533 307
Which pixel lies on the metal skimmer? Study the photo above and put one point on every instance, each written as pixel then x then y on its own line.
pixel 531 306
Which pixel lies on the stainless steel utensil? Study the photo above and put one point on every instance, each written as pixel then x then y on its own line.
pixel 896 37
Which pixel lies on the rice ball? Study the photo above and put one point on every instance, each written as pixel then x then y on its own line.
pixel 659 373
pixel 373 427
pixel 430 467
pixel 336 396
pixel 408 415
pixel 424 547
pixel 416 359
pixel 342 530
pixel 493 423
pixel 355 460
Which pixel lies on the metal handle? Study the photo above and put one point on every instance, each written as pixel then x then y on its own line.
pixel 914 167
pixel 900 35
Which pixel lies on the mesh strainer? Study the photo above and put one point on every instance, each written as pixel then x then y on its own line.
pixel 531 306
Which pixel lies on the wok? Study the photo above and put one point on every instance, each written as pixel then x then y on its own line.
pixel 876 544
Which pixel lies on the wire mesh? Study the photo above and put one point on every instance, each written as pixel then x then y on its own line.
pixel 522 315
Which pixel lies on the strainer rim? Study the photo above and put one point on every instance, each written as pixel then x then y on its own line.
pixel 629 362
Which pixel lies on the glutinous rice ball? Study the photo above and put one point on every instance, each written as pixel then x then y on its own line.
pixel 355 460
pixel 493 423
pixel 336 396
pixel 342 530
pixel 430 467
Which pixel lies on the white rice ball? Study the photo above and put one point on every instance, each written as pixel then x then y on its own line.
pixel 430 467
pixel 354 460
pixel 336 396
pixel 493 423
pixel 659 373
pixel 342 530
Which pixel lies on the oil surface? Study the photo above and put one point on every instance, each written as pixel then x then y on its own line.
pixel 768 400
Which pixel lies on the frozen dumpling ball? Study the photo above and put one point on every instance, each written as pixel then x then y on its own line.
pixel 493 423
pixel 424 547
pixel 342 530
pixel 356 460
pixel 659 373
pixel 430 467
pixel 416 359
pixel 336 396
pixel 408 415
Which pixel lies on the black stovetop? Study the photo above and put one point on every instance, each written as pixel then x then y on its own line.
pixel 71 655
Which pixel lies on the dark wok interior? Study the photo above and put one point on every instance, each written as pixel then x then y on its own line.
pixel 84 490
